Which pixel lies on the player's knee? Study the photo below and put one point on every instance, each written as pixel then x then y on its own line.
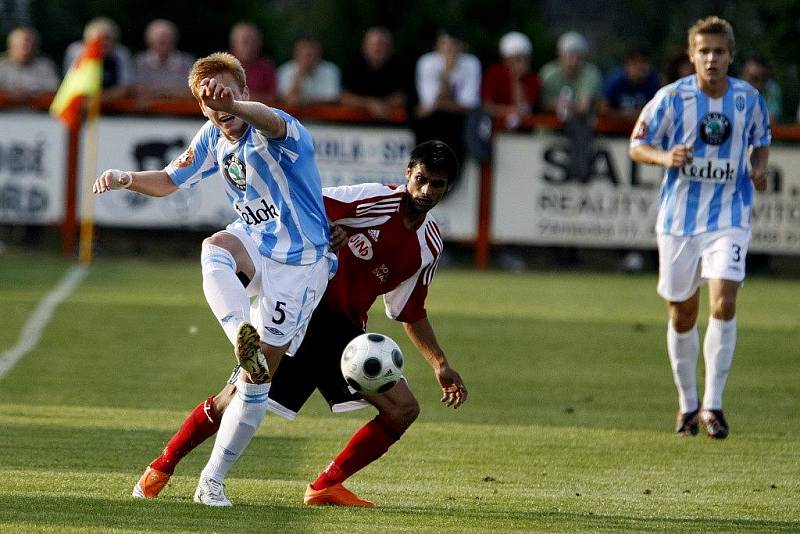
pixel 222 400
pixel 723 308
pixel 403 414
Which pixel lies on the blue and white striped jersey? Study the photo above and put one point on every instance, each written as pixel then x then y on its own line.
pixel 273 184
pixel 714 191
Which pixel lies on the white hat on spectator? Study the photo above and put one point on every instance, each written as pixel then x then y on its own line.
pixel 573 42
pixel 515 44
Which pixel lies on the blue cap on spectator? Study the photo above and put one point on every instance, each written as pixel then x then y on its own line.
pixel 515 44
pixel 573 42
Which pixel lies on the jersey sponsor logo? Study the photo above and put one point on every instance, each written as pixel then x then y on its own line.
pixel 710 169
pixel 360 246
pixel 185 159
pixel 256 211
pixel 374 234
pixel 739 103
pixel 234 171
pixel 715 128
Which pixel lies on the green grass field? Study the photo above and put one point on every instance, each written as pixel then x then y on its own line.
pixel 567 429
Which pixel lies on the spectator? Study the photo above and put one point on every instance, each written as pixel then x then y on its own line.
pixel 117 68
pixel 245 43
pixel 307 78
pixel 162 70
pixel 627 89
pixel 677 66
pixel 448 86
pixel 23 73
pixel 756 72
pixel 571 89
pixel 374 80
pixel 510 89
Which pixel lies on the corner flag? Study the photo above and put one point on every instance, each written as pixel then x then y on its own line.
pixel 84 78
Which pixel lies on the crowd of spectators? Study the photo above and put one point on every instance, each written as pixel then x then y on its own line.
pixel 446 85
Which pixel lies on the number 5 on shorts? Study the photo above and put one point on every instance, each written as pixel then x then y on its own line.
pixel 279 305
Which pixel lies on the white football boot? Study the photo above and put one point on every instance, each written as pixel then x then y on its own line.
pixel 211 493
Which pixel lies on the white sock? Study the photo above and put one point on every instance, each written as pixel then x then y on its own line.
pixel 224 291
pixel 238 426
pixel 718 346
pixel 682 349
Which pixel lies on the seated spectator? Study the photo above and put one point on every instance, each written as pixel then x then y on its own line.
pixel 375 80
pixel 245 43
pixel 162 70
pixel 511 89
pixel 571 89
pixel 307 78
pixel 117 68
pixel 628 88
pixel 756 72
pixel 448 86
pixel 23 73
pixel 677 66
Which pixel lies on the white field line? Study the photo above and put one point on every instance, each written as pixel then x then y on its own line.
pixel 32 331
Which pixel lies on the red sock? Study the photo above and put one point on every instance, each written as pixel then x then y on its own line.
pixel 367 445
pixel 198 426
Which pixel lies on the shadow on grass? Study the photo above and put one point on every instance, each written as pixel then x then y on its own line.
pixel 104 514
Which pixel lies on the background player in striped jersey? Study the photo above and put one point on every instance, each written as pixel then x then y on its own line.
pixel 393 249
pixel 279 243
pixel 702 128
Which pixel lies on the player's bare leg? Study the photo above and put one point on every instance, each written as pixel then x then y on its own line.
pixel 397 410
pixel 718 348
pixel 683 346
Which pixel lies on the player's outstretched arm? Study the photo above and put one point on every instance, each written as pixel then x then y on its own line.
pixel 219 97
pixel 152 183
pixel 454 392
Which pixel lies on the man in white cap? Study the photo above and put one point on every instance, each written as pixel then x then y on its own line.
pixel 571 89
pixel 511 89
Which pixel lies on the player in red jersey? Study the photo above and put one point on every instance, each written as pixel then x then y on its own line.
pixel 393 249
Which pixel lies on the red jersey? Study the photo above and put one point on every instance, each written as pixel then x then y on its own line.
pixel 382 256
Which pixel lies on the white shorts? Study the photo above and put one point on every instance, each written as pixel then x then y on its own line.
pixel 284 296
pixel 686 262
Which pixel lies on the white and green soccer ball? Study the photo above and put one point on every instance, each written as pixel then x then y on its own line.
pixel 372 363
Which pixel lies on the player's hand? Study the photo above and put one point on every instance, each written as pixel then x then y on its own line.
pixel 759 178
pixel 678 156
pixel 112 179
pixel 454 392
pixel 216 95
pixel 338 237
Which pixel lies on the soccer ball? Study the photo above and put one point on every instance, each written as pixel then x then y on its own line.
pixel 372 363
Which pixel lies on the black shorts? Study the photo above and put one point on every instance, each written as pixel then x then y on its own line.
pixel 316 365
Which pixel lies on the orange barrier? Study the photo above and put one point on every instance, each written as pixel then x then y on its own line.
pixel 326 113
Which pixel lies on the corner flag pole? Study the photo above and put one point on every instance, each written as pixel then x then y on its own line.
pixel 89 170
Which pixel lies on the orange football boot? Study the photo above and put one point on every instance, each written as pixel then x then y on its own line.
pixel 151 484
pixel 336 495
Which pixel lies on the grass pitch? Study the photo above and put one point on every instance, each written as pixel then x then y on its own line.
pixel 567 429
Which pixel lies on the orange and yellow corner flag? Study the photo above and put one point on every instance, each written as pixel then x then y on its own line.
pixel 84 78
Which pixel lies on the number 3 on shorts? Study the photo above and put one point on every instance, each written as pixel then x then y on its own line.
pixel 737 253
pixel 281 314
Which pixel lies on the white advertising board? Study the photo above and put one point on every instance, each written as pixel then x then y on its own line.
pixel 345 155
pixel 535 201
pixel 32 169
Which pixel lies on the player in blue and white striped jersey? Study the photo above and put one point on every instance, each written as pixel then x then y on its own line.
pixel 279 244
pixel 702 129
